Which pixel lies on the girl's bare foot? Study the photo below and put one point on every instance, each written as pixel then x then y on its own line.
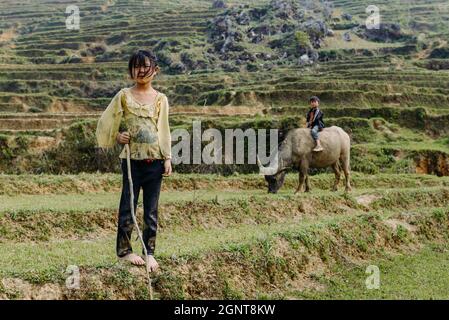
pixel 134 259
pixel 152 264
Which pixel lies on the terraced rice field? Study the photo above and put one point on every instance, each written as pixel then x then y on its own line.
pixel 213 233
pixel 220 234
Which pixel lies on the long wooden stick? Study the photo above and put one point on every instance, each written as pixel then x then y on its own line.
pixel 133 214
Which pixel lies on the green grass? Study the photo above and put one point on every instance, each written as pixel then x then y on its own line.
pixel 337 42
pixel 94 183
pixel 98 201
pixel 72 216
pixel 410 146
pixel 59 218
pixel 420 275
pixel 47 257
pixel 46 261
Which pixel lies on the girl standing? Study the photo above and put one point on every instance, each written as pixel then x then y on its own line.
pixel 138 116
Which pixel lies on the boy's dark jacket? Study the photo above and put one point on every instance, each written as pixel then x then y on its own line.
pixel 317 118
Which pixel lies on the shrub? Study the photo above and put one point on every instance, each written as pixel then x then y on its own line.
pixel 302 38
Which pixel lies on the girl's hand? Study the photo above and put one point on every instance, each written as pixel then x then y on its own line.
pixel 167 166
pixel 123 137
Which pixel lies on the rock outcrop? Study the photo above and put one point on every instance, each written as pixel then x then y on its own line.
pixel 288 31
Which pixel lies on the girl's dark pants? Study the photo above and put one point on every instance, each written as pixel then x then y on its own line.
pixel 147 176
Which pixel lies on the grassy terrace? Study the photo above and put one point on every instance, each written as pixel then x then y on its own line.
pixel 365 76
pixel 418 276
pixel 408 87
pixel 223 236
pixel 228 227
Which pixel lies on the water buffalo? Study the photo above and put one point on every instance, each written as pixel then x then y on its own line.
pixel 296 151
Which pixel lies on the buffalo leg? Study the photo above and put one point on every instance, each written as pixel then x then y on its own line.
pixel 336 169
pixel 302 178
pixel 307 183
pixel 303 170
pixel 346 171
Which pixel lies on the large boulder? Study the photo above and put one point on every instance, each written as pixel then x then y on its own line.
pixel 346 16
pixel 317 30
pixel 347 36
pixel 387 32
pixel 440 53
pixel 177 68
pixel 243 18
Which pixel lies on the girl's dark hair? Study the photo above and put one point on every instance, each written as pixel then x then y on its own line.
pixel 138 59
